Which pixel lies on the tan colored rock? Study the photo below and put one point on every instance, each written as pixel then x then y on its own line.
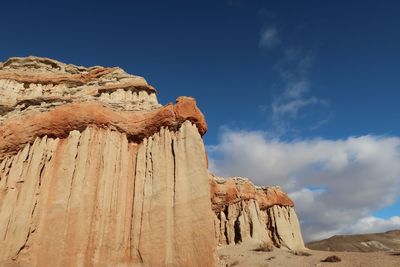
pixel 285 227
pixel 87 181
pixel 40 84
pixel 245 212
pixel 95 199
pixel 94 172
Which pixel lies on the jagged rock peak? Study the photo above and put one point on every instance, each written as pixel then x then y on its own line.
pixel 40 64
pixel 49 70
pixel 29 82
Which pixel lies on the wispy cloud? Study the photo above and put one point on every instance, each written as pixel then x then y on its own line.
pixel 319 124
pixel 293 106
pixel 356 176
pixel 269 37
pixel 294 69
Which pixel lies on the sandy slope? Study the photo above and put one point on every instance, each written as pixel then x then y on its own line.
pixel 245 256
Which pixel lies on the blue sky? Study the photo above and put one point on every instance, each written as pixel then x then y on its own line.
pixel 287 75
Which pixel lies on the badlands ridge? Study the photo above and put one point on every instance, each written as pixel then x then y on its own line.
pixel 95 172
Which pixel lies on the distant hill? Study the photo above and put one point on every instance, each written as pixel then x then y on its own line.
pixel 388 241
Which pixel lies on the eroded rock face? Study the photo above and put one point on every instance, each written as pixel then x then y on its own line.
pixel 245 212
pixel 40 84
pixel 94 172
pixel 60 120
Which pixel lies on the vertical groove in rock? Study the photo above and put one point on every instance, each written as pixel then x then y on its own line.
pixel 94 197
pixel 245 212
pixel 94 172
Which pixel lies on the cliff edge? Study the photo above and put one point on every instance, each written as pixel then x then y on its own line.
pixel 95 172
pixel 244 212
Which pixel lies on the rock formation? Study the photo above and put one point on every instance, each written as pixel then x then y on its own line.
pixel 246 212
pixel 94 172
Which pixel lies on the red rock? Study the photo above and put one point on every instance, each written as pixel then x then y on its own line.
pixel 230 191
pixel 94 172
pixel 60 121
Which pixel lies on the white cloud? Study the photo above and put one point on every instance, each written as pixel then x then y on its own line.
pixel 365 225
pixel 269 37
pixel 336 184
pixel 373 224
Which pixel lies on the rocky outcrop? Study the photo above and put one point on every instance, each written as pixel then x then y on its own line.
pixel 244 212
pixel 61 120
pixel 39 84
pixel 94 172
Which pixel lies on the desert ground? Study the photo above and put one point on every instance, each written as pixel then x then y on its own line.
pixel 245 255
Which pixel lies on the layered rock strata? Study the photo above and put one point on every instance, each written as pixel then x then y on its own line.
pixel 244 212
pixel 94 172
pixel 40 84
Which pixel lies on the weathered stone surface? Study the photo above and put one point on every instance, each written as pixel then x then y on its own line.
pixel 244 212
pixel 40 84
pixel 58 122
pixel 96 199
pixel 93 172
pixel 236 189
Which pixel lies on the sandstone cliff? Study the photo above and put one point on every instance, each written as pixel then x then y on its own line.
pixel 245 212
pixel 94 172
